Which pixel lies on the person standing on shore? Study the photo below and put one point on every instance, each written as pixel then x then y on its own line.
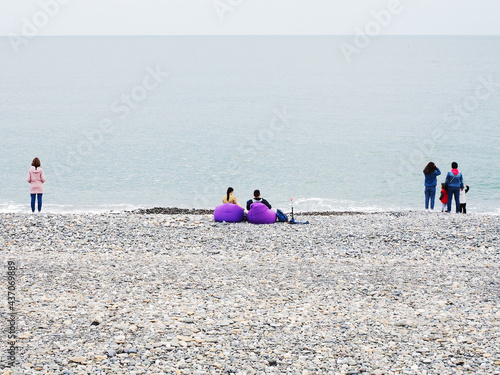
pixel 431 171
pixel 455 182
pixel 463 200
pixel 444 199
pixel 36 178
pixel 229 197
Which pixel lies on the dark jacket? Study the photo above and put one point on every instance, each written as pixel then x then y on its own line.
pixel 261 200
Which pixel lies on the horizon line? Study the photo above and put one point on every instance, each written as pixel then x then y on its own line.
pixel 161 35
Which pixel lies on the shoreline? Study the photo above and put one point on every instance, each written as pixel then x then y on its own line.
pixel 169 211
pixel 201 211
pixel 179 210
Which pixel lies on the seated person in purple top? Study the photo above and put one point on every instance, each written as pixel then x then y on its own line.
pixel 257 198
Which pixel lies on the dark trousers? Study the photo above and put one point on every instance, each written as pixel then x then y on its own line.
pixel 463 209
pixel 33 196
pixel 454 191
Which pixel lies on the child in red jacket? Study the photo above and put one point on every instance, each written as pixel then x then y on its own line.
pixel 444 199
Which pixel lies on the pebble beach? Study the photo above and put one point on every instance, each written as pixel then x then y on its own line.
pixel 170 292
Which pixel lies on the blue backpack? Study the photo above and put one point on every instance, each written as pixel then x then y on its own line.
pixel 280 215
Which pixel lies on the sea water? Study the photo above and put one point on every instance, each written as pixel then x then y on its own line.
pixel 126 122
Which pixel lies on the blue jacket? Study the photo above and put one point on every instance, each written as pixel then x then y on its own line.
pixel 431 179
pixel 458 181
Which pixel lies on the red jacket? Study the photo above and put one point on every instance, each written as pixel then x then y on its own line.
pixel 444 199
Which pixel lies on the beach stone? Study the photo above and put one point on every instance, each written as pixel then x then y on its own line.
pixel 185 338
pixel 119 339
pixel 402 323
pixel 174 343
pixel 81 360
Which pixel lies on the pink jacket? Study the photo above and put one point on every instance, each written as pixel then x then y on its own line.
pixel 36 178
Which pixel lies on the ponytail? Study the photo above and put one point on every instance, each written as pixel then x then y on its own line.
pixel 229 191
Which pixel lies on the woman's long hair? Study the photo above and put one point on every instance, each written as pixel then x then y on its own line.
pixel 430 168
pixel 35 163
pixel 229 191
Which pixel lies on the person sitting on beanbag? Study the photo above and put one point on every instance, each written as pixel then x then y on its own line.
pixel 257 198
pixel 229 197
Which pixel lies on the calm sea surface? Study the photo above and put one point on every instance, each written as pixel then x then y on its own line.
pixel 125 122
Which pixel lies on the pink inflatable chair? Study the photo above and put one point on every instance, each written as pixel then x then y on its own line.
pixel 260 214
pixel 229 212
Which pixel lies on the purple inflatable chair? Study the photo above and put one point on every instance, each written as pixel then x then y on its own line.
pixel 229 212
pixel 260 214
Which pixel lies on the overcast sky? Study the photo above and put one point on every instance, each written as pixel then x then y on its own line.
pixel 249 17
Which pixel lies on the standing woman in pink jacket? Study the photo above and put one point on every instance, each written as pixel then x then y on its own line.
pixel 36 178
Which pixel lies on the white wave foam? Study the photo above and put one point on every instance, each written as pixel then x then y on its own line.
pixel 12 207
pixel 325 204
